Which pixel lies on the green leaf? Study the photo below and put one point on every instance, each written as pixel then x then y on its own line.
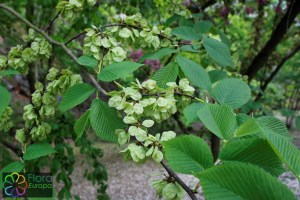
pixel 4 99
pixel 190 112
pixel 255 151
pixel 157 55
pixel 219 119
pixel 281 142
pixel 185 22
pixel 255 126
pixel 249 127
pixel 286 151
pixel 76 95
pixel 104 120
pixel 274 126
pixel 218 51
pixel 242 181
pixel 224 38
pixel 172 19
pixel 38 150
pixel 12 167
pixel 118 70
pixel 88 61
pixel 189 48
pixel 217 75
pixel 202 26
pixel 194 72
pixel 185 32
pixel 232 91
pixel 166 74
pixel 241 118
pixel 9 72
pixel 188 154
pixel 82 124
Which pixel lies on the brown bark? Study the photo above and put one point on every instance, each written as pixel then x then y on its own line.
pixel 31 72
pixel 265 84
pixel 13 148
pixel 178 180
pixel 279 66
pixel 197 7
pixel 277 35
pixel 215 146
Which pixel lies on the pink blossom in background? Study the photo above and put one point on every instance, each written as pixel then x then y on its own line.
pixel 249 10
pixel 224 11
pixel 136 55
pixel 186 2
pixel 263 2
pixel 154 64
pixel 278 9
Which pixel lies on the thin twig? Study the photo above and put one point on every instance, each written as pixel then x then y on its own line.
pixel 181 126
pixel 52 41
pixel 157 11
pixel 178 180
pixel 176 93
pixel 74 37
pixel 51 22
pixel 13 148
pixel 136 27
pixel 170 59
pixel 196 187
pixel 97 85
pixel 13 12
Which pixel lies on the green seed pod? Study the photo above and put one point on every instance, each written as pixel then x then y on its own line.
pixel 20 136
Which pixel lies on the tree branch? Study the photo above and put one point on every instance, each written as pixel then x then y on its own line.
pixel 277 35
pixel 51 22
pixel 96 84
pixel 200 8
pixel 74 37
pixel 278 67
pixel 197 8
pixel 277 13
pixel 176 93
pixel 52 41
pixel 13 148
pixel 140 28
pixel 178 180
pixel 208 4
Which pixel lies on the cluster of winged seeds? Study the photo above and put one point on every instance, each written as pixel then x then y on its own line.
pixel 143 104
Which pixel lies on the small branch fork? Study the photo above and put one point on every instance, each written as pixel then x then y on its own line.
pixel 53 42
pixel 178 180
pixel 94 81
